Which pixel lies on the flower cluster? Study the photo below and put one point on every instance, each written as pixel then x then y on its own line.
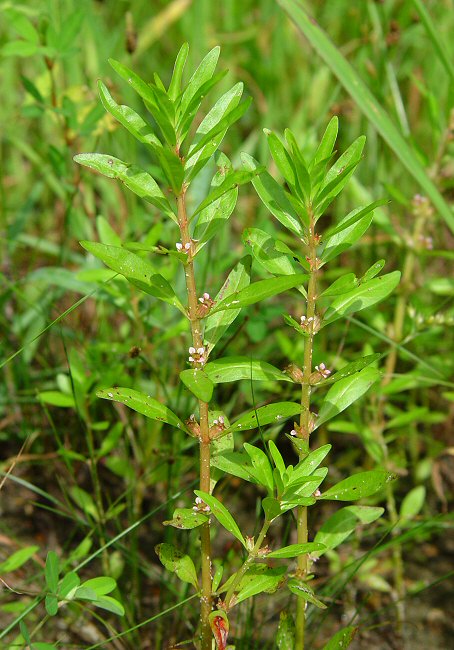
pixel 205 305
pixel 197 356
pixel 311 324
pixel 201 506
pixel 323 370
pixel 180 248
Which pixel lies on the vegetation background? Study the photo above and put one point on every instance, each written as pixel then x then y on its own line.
pixel 94 483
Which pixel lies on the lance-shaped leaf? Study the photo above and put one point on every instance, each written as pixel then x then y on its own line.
pixel 222 514
pixel 213 128
pixel 135 179
pixel 342 523
pixel 345 283
pixel 303 187
pixel 236 368
pixel 303 590
pixel 358 486
pixel 274 197
pixel 136 270
pixel 202 75
pixel 286 632
pixel 346 391
pixel 156 100
pixel 264 250
pixel 352 368
pixel 326 146
pixel 271 413
pixel 373 271
pixel 260 291
pixel 143 404
pixel 186 518
pixel 340 242
pixel 216 212
pixel 364 296
pixel 177 76
pixel 353 217
pixel 338 176
pixel 309 464
pixel 198 383
pixel 127 117
pixel 232 181
pixel 341 639
pixel 217 324
pixel 294 550
pixel 260 468
pixel 175 561
pixel 268 581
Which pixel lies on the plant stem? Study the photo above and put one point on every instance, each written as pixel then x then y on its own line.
pixel 197 342
pixel 246 564
pixel 305 421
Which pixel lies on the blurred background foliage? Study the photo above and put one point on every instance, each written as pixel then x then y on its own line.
pixel 52 53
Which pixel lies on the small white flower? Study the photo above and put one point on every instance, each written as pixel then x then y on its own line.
pixel 179 246
pixel 191 350
pixel 323 370
pixel 215 422
pixel 293 432
pixel 187 246
pixel 221 419
pixel 200 350
pixel 191 359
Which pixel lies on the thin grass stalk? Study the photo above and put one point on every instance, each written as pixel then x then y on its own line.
pixel 305 420
pixel 204 439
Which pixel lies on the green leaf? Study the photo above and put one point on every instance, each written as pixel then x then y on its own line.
pixel 338 176
pixel 309 464
pixel 234 463
pixel 144 404
pixel 232 181
pixel 177 76
pixel 259 291
pixel 282 158
pixel 128 118
pixel 326 146
pixel 156 101
pixel 19 48
pixel 271 413
pixel 258 585
pixel 110 605
pixel 69 583
pixel 135 179
pixel 271 508
pixel 413 502
pixel 217 324
pixel 294 550
pixel 364 296
pixel 342 523
pixel 51 604
pixel 368 104
pixel 340 242
pixel 52 571
pixel 235 368
pixel 222 514
pixel 345 283
pixel 344 392
pixel 178 563
pixel 56 398
pixel 341 639
pixel 101 585
pixel 205 147
pixel 261 467
pixel 274 197
pixel 373 271
pixel 213 217
pixel 277 457
pixel 353 217
pixel 84 501
pixel 186 518
pixel 358 486
pixel 352 368
pixel 265 252
pixel 303 590
pixel 41 645
pixel 136 270
pixel 203 74
pixel 18 558
pixel 198 382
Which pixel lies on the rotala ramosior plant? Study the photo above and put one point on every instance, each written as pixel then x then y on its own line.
pixel 180 153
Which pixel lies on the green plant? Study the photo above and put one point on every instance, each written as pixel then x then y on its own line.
pixel 311 189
